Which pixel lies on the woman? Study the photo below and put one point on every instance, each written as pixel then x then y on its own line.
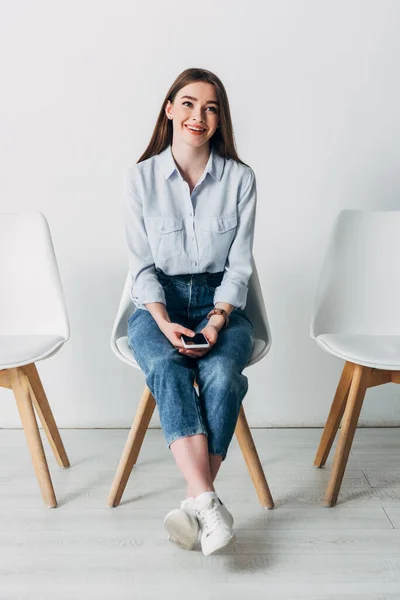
pixel 190 212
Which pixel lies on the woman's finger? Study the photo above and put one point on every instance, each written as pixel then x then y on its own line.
pixel 191 353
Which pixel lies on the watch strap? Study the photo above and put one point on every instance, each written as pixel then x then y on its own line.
pixel 219 311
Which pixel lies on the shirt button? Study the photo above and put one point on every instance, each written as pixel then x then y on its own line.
pixel 194 262
pixel 190 214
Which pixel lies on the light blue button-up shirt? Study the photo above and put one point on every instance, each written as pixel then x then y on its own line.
pixel 211 229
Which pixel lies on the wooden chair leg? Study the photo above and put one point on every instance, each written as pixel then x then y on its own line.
pixel 4 378
pixel 252 459
pixel 335 415
pixel 20 387
pixel 350 419
pixel 132 447
pixel 42 407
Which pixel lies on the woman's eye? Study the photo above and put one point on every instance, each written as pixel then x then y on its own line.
pixel 187 102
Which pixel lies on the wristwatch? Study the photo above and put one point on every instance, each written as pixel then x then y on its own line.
pixel 219 311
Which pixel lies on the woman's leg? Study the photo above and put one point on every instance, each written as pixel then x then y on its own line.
pixel 223 388
pixel 191 456
pixel 214 463
pixel 170 377
pixel 222 385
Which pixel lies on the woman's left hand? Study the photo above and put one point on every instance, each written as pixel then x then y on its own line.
pixel 211 333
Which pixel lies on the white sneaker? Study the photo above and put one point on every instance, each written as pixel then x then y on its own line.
pixel 183 526
pixel 216 524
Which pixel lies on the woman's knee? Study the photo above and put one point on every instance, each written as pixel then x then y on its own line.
pixel 223 371
pixel 171 365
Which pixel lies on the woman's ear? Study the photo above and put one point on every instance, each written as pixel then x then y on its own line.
pixel 168 108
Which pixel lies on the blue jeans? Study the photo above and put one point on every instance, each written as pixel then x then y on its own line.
pixel 214 410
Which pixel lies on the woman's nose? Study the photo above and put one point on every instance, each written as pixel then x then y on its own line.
pixel 198 115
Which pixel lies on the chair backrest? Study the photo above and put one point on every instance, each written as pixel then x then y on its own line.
pixel 31 298
pixel 359 286
pixel 255 310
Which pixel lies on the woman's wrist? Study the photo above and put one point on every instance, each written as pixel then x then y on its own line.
pixel 218 321
pixel 158 311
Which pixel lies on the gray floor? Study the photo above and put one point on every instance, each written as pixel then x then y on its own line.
pixel 300 550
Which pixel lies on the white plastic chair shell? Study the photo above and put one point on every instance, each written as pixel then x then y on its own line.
pixel 356 313
pixel 33 317
pixel 255 309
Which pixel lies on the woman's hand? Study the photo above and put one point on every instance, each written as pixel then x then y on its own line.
pixel 211 333
pixel 173 332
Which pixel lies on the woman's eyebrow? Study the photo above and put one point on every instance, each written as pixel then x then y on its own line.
pixel 195 99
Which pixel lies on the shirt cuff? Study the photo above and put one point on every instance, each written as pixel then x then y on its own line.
pixel 232 293
pixel 151 291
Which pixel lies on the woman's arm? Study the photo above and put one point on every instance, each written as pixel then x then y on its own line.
pixel 159 312
pixel 234 285
pixel 145 286
pixel 218 320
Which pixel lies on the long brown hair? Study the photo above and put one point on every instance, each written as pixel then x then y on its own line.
pixel 222 141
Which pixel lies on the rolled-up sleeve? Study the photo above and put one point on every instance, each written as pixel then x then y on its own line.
pixel 145 286
pixel 238 269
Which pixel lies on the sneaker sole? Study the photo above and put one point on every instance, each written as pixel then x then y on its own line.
pixel 221 547
pixel 181 534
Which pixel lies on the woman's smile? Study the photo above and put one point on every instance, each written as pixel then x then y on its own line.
pixel 194 130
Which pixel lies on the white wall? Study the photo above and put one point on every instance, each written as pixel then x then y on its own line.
pixel 314 88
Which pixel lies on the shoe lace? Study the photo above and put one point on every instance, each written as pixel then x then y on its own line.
pixel 210 516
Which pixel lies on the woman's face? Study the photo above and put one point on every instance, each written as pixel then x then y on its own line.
pixel 194 106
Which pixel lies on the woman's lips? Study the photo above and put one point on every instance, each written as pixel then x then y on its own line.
pixel 194 132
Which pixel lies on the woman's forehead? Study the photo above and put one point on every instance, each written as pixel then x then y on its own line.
pixel 200 90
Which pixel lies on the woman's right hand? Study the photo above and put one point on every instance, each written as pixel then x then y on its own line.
pixel 173 332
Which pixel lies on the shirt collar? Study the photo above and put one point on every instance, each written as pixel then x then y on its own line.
pixel 167 165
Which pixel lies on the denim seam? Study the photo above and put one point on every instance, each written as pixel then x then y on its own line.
pixel 222 453
pixel 199 417
pixel 178 435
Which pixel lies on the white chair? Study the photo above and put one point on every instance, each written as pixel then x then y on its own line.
pixel 33 326
pixel 356 317
pixel 119 344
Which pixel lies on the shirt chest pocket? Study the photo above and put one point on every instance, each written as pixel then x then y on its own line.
pixel 218 234
pixel 165 234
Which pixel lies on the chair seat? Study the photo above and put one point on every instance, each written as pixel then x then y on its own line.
pixel 18 350
pixel 376 351
pixel 122 345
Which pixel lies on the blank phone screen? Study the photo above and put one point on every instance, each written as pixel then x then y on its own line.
pixel 199 338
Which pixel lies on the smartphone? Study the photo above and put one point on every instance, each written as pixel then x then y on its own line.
pixel 197 341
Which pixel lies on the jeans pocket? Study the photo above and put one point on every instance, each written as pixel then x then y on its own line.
pixel 213 280
pixel 164 280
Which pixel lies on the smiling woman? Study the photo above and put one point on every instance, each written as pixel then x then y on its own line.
pixel 190 214
pixel 194 128
pixel 196 115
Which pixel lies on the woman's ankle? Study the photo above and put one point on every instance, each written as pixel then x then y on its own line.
pixel 207 495
pixel 193 491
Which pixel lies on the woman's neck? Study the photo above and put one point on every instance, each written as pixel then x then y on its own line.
pixel 190 161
